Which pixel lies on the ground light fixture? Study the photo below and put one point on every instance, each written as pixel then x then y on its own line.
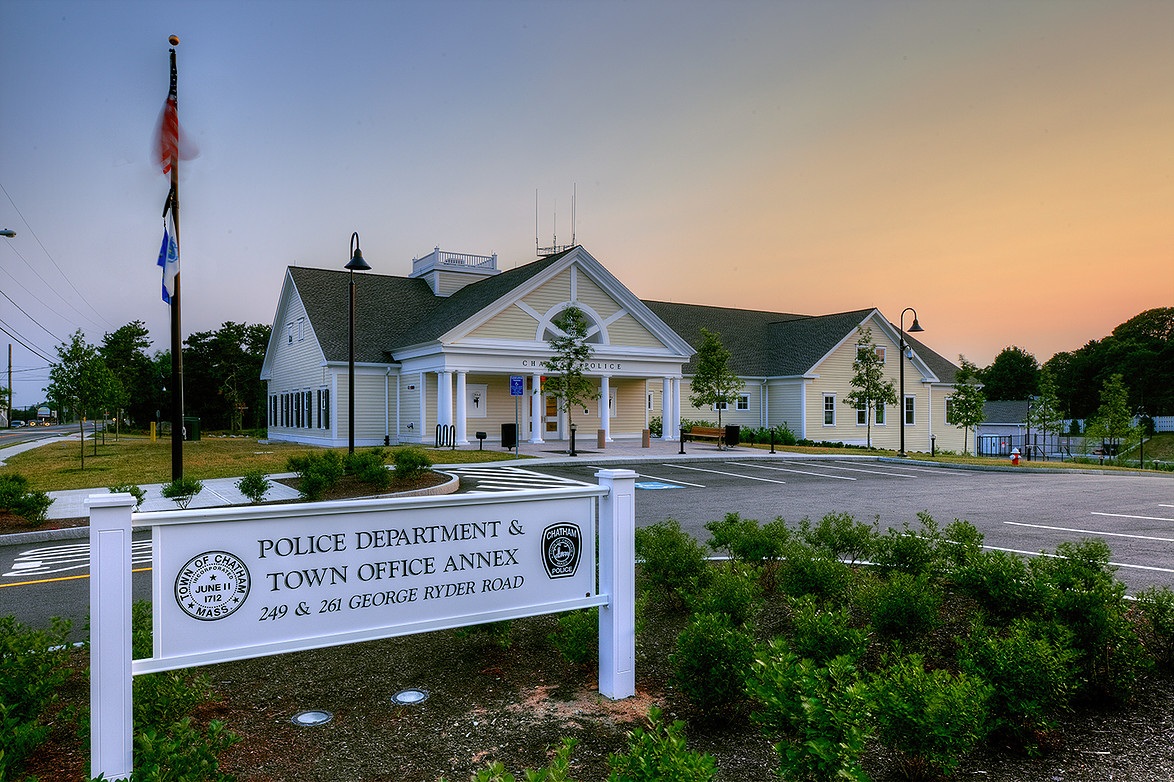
pixel 311 718
pixel 916 327
pixel 356 263
pixel 412 696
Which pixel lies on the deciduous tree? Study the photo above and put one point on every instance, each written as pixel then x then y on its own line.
pixel 714 383
pixel 1013 375
pixel 82 383
pixel 1113 422
pixel 567 366
pixel 965 405
pixel 870 387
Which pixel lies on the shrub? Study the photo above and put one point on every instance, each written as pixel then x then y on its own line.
pixel 746 540
pixel 711 663
pixel 784 435
pixel 673 562
pixel 131 489
pixel 1031 678
pixel 253 484
pixel 909 550
pixel 655 428
pixel 318 473
pixel 1001 583
pixel 369 467
pixel 818 714
pixel 932 718
pixel 806 571
pixel 182 490
pixel 411 463
pixel 660 754
pixel 18 498
pixel 732 593
pixel 1156 606
pixel 33 668
pixel 576 637
pixel 904 606
pixel 961 544
pixel 823 634
pixel 840 536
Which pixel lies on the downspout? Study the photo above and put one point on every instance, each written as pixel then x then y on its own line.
pixel 764 406
pixel 398 424
pixel 386 407
pixel 803 408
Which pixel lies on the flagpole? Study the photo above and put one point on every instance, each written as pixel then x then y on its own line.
pixel 176 332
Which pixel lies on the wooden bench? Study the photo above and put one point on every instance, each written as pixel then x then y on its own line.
pixel 715 433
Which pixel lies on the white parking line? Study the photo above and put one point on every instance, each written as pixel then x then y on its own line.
pixel 653 477
pixel 800 472
pixel 857 469
pixel 719 472
pixel 1047 554
pixel 1128 516
pixel 1089 532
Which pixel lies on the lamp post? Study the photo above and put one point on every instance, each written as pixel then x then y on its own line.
pixel 356 263
pixel 8 232
pixel 916 327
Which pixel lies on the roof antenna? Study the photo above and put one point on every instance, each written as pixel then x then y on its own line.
pixel 574 193
pixel 536 250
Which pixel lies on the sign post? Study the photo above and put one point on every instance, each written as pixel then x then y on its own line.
pixel 517 389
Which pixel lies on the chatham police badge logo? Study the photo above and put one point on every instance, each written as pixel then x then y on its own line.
pixel 212 585
pixel 561 546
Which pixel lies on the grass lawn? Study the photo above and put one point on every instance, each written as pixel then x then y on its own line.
pixel 137 460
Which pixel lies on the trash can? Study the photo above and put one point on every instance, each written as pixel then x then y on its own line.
pixel 191 427
pixel 509 435
pixel 733 435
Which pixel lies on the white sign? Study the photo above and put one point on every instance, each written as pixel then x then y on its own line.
pixel 257 586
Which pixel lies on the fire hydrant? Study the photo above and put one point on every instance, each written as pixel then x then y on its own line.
pixel 1015 457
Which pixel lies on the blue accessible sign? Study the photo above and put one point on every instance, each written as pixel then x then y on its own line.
pixel 517 385
pixel 656 485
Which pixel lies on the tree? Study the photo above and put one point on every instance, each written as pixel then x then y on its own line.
pixel 82 383
pixel 871 390
pixel 714 383
pixel 1113 422
pixel 125 352
pixel 965 406
pixel 1044 413
pixel 567 381
pixel 222 383
pixel 1013 375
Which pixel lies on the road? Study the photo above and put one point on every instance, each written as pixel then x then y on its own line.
pixel 1019 511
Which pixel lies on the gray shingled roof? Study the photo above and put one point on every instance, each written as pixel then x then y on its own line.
pixel 392 313
pixel 1006 412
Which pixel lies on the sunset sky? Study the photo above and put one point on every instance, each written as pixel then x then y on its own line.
pixel 1006 168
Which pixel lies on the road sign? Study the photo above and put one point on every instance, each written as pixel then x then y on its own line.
pixel 517 385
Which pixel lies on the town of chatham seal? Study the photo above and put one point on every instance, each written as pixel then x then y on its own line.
pixel 561 546
pixel 212 585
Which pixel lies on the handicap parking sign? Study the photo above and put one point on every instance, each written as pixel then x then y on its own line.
pixel 656 485
pixel 517 385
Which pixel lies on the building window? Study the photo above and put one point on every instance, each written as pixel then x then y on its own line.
pixel 723 406
pixel 878 349
pixel 910 411
pixel 650 401
pixel 308 396
pixel 880 413
pixel 743 402
pixel 289 333
pixel 949 409
pixel 301 329
pixel 861 415
pixel 324 412
pixel 829 409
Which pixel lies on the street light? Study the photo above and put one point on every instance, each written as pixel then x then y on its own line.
pixel 8 232
pixel 916 327
pixel 356 263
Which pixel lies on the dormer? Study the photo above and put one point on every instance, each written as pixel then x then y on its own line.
pixel 447 272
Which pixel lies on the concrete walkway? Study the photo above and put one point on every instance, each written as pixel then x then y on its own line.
pixel 218 492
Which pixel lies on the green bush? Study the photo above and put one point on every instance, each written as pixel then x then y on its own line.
pixel 131 489
pixel 823 634
pixel 370 467
pixel 1002 584
pixel 711 663
pixel 33 668
pixel 1031 675
pixel 672 562
pixel 819 715
pixel 913 551
pixel 16 497
pixel 840 536
pixel 1156 606
pixel 807 571
pixel 904 606
pixel 253 484
pixel 746 540
pixel 318 473
pixel 576 637
pixel 182 490
pixel 181 752
pixel 733 593
pixel 932 718
pixel 411 462
pixel 961 544
pixel 784 435
pixel 1081 593
pixel 660 754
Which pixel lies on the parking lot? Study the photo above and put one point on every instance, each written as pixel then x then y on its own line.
pixel 1019 511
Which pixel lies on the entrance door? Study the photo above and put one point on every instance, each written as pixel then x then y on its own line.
pixel 552 417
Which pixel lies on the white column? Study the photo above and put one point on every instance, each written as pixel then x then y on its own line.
pixel 677 406
pixel 605 407
pixel 617 577
pixel 462 409
pixel 537 409
pixel 666 410
pixel 443 398
pixel 111 709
